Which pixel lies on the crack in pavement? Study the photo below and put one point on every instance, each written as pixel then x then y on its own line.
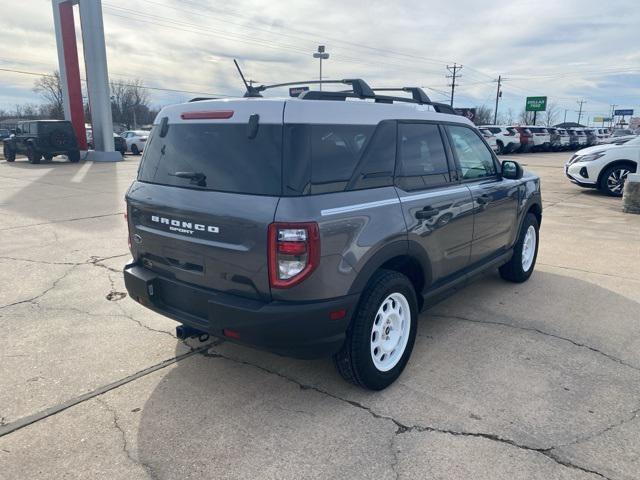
pixel 34 300
pixel 402 428
pixel 541 332
pixel 125 443
pixel 91 261
pixel 61 221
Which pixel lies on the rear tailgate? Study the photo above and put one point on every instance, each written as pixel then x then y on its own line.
pixel 209 229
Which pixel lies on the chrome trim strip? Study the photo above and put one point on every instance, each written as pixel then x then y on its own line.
pixel 432 194
pixel 359 206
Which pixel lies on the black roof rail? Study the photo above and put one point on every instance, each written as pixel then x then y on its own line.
pixel 200 99
pixel 359 87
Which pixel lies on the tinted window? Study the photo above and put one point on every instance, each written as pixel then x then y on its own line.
pixel 422 161
pixel 377 164
pixel 228 159
pixel 322 158
pixel 475 159
pixel 495 129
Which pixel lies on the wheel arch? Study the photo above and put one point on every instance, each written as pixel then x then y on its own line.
pixel 613 164
pixel 403 257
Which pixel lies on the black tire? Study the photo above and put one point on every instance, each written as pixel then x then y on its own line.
pixel 613 178
pixel 33 155
pixel 513 271
pixel 74 156
pixel 134 149
pixel 9 153
pixel 501 149
pixel 354 361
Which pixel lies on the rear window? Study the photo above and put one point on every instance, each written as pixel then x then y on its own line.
pixel 220 157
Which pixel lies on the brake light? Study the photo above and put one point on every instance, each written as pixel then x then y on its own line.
pixel 294 252
pixel 207 115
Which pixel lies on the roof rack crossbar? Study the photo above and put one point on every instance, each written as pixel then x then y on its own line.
pixel 417 93
pixel 359 86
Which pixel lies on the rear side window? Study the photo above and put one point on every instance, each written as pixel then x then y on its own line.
pixel 422 161
pixel 323 158
pixel 495 129
pixel 215 157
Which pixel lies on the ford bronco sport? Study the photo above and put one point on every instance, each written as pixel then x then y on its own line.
pixel 323 224
pixel 42 138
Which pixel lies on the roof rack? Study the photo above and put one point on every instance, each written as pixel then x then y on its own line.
pixel 359 87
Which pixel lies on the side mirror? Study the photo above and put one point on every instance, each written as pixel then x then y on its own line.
pixel 511 170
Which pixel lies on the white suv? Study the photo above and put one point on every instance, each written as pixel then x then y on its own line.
pixel 541 138
pixel 507 138
pixel 604 167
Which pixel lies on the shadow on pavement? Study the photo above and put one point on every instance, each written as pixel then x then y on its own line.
pixel 217 417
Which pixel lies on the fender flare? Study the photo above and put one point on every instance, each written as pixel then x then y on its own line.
pixel 399 248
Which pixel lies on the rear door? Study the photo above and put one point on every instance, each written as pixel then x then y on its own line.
pixel 438 210
pixel 495 199
pixel 206 192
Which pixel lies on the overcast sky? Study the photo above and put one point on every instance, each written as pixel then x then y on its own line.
pixel 568 50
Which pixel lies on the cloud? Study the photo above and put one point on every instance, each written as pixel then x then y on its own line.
pixel 567 50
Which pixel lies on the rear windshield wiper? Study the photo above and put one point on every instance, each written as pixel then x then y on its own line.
pixel 197 178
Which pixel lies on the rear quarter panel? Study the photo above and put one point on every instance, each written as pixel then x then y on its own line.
pixel 353 227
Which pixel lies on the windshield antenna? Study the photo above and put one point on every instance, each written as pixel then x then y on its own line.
pixel 251 91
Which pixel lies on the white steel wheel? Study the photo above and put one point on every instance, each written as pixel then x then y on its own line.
pixel 529 248
pixel 390 332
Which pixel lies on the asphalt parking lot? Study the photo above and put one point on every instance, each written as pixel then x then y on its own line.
pixel 533 381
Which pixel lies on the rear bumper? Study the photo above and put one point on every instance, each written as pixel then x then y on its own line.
pixel 293 329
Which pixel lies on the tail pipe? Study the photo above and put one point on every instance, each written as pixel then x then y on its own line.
pixel 184 331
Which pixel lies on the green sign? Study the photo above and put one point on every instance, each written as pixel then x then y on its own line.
pixel 536 104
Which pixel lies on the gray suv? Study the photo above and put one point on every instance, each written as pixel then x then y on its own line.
pixel 323 224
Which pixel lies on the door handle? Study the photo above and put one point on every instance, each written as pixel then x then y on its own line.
pixel 426 213
pixel 483 199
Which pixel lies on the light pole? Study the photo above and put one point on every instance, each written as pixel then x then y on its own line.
pixel 322 55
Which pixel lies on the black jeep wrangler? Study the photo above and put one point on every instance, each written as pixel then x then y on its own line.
pixel 42 138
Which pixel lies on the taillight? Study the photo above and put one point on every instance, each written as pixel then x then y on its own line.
pixel 126 219
pixel 294 252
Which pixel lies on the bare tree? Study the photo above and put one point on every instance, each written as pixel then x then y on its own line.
pixel 130 103
pixel 50 89
pixel 484 115
pixel 551 114
pixel 526 118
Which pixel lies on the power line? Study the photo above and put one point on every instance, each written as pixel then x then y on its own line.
pixel 172 90
pixel 456 68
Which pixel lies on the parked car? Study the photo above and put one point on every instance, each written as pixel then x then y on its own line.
pixel 621 140
pixel 579 138
pixel 604 167
pixel 490 138
pixel 565 138
pixel 602 134
pixel 541 139
pixel 136 140
pixel 592 136
pixel 4 134
pixel 507 138
pixel 309 226
pixel 554 136
pixel 526 139
pixel 42 138
pixel 119 143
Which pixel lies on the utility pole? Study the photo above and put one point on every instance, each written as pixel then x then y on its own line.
pixel 498 95
pixel 454 75
pixel 321 55
pixel 581 103
pixel 565 115
pixel 613 110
